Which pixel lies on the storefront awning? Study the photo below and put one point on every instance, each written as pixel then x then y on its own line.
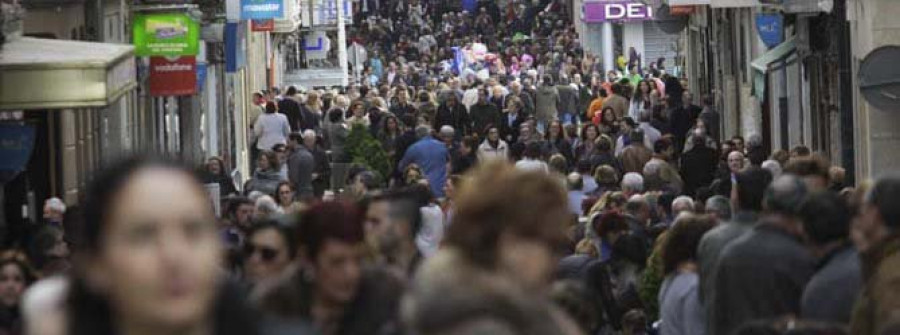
pixel 733 3
pixel 761 64
pixel 688 2
pixel 50 74
pixel 775 54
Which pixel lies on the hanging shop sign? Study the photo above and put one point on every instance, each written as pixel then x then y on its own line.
pixel 173 76
pixel 16 144
pixel 616 11
pixel 771 29
pixel 166 34
pixel 262 25
pixel 235 46
pixel 262 9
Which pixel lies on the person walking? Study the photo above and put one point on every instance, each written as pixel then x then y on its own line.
pixel 762 274
pixel 432 156
pixel 301 166
pixel 271 128
pixel 546 103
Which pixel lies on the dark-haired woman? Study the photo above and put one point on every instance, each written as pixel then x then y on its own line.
pixel 587 142
pixel 266 177
pixel 555 142
pixel 15 276
pixel 679 299
pixel 149 262
pixel 216 173
pixel 388 134
pixel 271 247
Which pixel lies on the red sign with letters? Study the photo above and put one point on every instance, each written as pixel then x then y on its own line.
pixel 262 25
pixel 173 77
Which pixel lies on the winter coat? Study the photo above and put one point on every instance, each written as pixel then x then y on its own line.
pixel 265 182
pixel 698 168
pixel 452 295
pixel 484 115
pixel 568 99
pixel 291 108
pixel 456 117
pixel 488 152
pixel 831 292
pixel 879 303
pixel 619 105
pixel 634 157
pixel 761 275
pixel 546 103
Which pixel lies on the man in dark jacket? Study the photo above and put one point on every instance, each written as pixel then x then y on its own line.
pixel 403 107
pixel 761 275
pixel 568 100
pixel 515 90
pixel 452 113
pixel 301 165
pixel 483 113
pixel 291 108
pixel 698 166
pixel 750 186
pixel 831 292
pixel 683 117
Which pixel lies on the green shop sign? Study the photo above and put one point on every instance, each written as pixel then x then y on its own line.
pixel 167 34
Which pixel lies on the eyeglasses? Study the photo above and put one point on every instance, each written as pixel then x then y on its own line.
pixel 267 254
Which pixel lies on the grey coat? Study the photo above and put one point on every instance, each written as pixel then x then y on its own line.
pixel 546 103
pixel 301 164
pixel 761 275
pixel 831 292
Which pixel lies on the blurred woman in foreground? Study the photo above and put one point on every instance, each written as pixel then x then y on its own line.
pixel 149 263
pixel 498 258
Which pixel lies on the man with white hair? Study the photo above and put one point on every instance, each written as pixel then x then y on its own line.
pixel 632 183
pixel 682 204
pixel 773 167
pixel 54 210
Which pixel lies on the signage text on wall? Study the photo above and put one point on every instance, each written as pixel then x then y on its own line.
pixel 616 11
pixel 166 34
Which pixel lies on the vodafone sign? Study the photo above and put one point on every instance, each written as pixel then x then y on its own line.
pixel 173 77
pixel 618 10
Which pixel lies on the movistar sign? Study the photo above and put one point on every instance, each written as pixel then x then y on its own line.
pixel 262 9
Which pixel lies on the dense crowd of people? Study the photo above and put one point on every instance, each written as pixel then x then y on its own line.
pixel 526 192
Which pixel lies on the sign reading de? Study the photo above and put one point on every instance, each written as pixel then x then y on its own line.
pixel 166 34
pixel 173 77
pixel 620 10
pixel 262 9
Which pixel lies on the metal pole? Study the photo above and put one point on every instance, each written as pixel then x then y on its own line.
pixel 609 58
pixel 342 42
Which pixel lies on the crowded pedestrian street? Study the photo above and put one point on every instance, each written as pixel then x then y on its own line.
pixel 449 167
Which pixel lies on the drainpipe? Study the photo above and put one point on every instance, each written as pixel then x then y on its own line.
pixel 845 87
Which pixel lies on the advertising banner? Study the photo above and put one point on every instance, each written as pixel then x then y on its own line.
pixel 173 77
pixel 262 9
pixel 262 25
pixel 616 11
pixel 166 34
pixel 235 46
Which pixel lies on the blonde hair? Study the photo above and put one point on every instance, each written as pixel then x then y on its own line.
pixel 312 100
